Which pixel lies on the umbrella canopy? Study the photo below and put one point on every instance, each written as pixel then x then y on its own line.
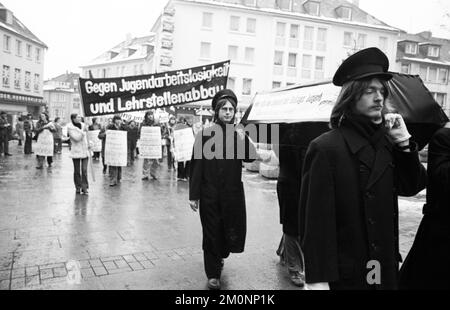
pixel 313 103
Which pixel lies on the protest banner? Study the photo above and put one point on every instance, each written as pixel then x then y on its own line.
pixel 145 92
pixel 96 142
pixel 116 148
pixel 45 144
pixel 184 143
pixel 150 143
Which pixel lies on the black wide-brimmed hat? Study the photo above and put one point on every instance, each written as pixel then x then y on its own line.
pixel 223 94
pixel 369 62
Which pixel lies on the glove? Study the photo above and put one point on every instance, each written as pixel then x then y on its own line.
pixel 396 128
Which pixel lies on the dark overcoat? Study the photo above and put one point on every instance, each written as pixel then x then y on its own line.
pixel 217 184
pixel 427 265
pixel 345 226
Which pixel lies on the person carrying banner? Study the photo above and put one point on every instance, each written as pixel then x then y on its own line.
pixel 216 189
pixel 351 179
pixel 95 126
pixel 79 153
pixel 115 172
pixel 43 124
pixel 150 166
pixel 182 166
pixel 427 264
pixel 132 137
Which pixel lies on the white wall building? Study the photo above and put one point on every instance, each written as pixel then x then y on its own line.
pixel 22 67
pixel 270 43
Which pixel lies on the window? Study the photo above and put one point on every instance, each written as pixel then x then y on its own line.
pixel 383 43
pixel 361 43
pixel 5 76
pixel 246 86
pixel 276 84
pixel 19 48
pixel 313 8
pixel 432 74
pixel 406 68
pixel 17 78
pixel 348 39
pixel 36 82
pixel 321 39
pixel 207 20
pixel 443 76
pixel 306 66
pixel 251 25
pixel 423 73
pixel 205 50
pixel 278 58
pixel 231 84
pixel 345 13
pixel 308 38
pixel 250 2
pixel 411 48
pixel 319 74
pixel 292 60
pixel 433 51
pixel 293 34
pixel 27 80
pixel 440 98
pixel 233 52
pixel 296 6
pixel 281 29
pixel 141 69
pixel 6 43
pixel 28 50
pixel 283 4
pixel 234 23
pixel 38 55
pixel 249 54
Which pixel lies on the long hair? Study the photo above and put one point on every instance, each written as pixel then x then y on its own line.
pixel 73 116
pixel 350 93
pixel 219 106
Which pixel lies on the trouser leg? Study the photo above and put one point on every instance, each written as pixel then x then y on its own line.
pixel 84 176
pixel 77 173
pixel 293 254
pixel 213 264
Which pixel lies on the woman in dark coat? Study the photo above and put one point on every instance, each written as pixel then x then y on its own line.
pixel 216 188
pixel 427 265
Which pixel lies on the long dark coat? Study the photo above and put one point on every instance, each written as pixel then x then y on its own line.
pixel 217 184
pixel 294 141
pixel 344 226
pixel 427 265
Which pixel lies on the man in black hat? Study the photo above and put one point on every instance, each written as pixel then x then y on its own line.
pixel 215 186
pixel 352 175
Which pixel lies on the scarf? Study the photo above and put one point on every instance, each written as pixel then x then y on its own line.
pixel 372 132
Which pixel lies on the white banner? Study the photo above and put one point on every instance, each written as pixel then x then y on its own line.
pixel 116 148
pixel 310 103
pixel 44 145
pixel 150 143
pixel 184 142
pixel 92 136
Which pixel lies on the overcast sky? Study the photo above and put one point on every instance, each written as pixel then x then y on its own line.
pixel 78 31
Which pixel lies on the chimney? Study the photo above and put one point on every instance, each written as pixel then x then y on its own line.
pixel 426 34
pixel 128 39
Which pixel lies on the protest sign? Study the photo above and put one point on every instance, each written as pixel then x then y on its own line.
pixel 150 143
pixel 144 92
pixel 184 142
pixel 116 149
pixel 44 145
pixel 95 141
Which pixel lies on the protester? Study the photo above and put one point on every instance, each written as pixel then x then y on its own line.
pixel 351 177
pixel 169 142
pixel 132 137
pixel 427 264
pixel 5 131
pixel 28 127
pixel 182 166
pixel 57 136
pixel 43 124
pixel 115 172
pixel 92 127
pixel 79 153
pixel 19 130
pixel 216 188
pixel 150 166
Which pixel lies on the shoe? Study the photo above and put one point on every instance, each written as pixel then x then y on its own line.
pixel 78 191
pixel 297 278
pixel 7 154
pixel 145 179
pixel 112 184
pixel 214 284
pixel 39 167
pixel 85 192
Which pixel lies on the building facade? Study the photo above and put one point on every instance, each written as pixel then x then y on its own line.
pixel 62 96
pixel 429 57
pixel 22 67
pixel 270 43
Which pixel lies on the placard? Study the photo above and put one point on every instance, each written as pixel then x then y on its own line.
pixel 184 143
pixel 45 144
pixel 116 149
pixel 150 143
pixel 92 136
